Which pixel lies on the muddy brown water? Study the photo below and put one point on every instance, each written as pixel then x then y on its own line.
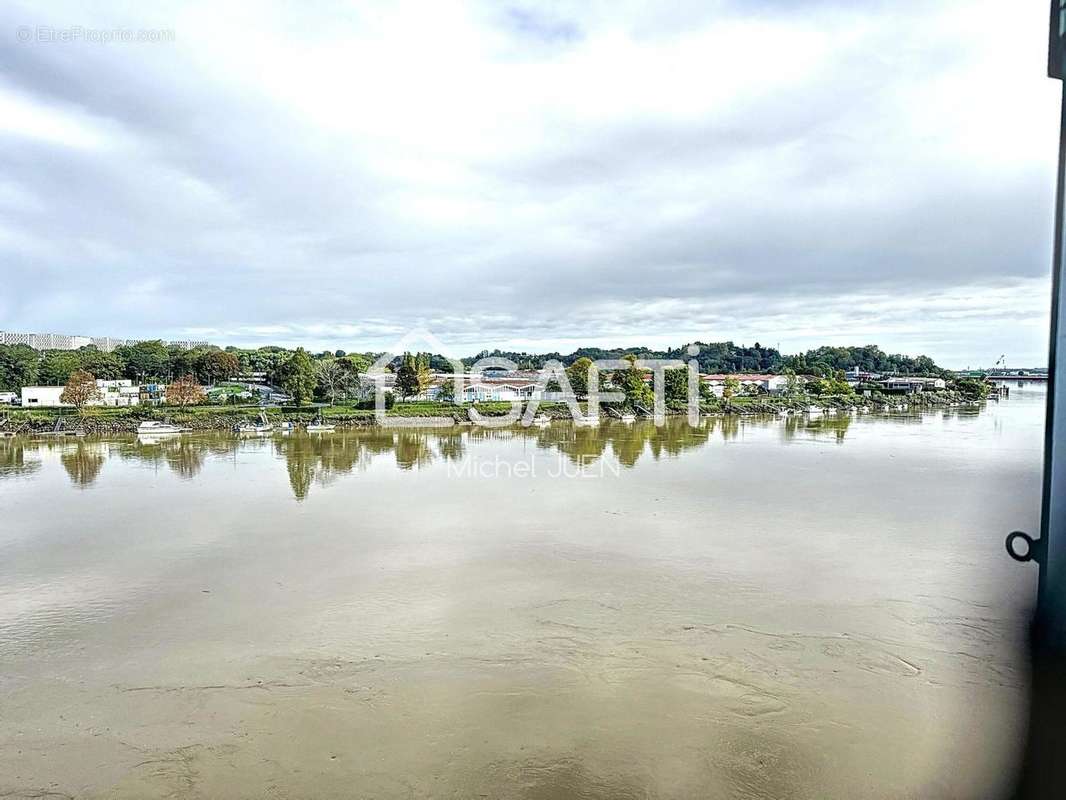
pixel 758 608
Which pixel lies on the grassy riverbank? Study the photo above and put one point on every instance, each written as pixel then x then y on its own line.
pixel 208 417
pixel 223 417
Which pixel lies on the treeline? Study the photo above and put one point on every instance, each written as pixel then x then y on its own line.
pixel 21 365
pixel 713 357
pixel 727 357
pixel 825 360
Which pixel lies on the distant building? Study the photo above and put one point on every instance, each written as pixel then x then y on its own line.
pixel 152 394
pixel 107 344
pixel 12 339
pixel 855 376
pixel 61 341
pixel 118 393
pixel 495 385
pixel 187 345
pixel 115 393
pixel 911 385
pixel 772 384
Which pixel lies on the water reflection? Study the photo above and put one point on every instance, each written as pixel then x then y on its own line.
pixel 755 607
pixel 83 462
pixel 320 459
pixel 13 460
pixel 834 425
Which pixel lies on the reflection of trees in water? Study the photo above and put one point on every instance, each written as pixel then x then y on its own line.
pixel 451 446
pixel 319 459
pixel 301 462
pixel 412 449
pixel 835 425
pixel 13 458
pixel 729 426
pixel 83 462
pixel 585 445
pixel 313 459
pixel 581 445
pixel 790 426
pixel 185 458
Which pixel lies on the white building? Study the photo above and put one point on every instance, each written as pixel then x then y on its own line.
pixel 61 341
pixel 111 393
pixel 187 345
pixel 118 393
pixel 12 339
pixel 42 397
pixel 107 344
pixel 910 385
pixel 480 388
pixel 45 341
pixel 772 384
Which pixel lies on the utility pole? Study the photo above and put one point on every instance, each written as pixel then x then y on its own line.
pixel 1049 551
pixel 1042 773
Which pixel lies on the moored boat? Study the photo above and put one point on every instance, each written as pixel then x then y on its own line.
pixel 253 428
pixel 319 426
pixel 155 428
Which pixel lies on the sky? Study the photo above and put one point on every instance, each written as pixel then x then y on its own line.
pixel 532 175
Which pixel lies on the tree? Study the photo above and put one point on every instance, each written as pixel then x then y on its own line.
pixel 792 383
pixel 57 366
pixel 337 378
pixel 632 384
pixel 358 362
pixel 145 360
pixel 971 388
pixel 185 391
pixel 299 376
pixel 412 376
pixel 676 385
pixel 18 367
pixel 446 393
pixel 213 366
pixel 832 384
pixel 578 375
pixel 105 366
pixel 80 390
pixel 732 386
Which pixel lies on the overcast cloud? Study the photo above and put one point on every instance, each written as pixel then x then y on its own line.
pixel 534 175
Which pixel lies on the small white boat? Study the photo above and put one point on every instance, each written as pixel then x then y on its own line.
pixel 153 428
pixel 252 428
pixel 287 426
pixel 318 426
pixel 628 419
pixel 586 420
pixel 542 419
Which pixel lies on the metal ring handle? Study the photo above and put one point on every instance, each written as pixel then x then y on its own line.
pixel 1032 544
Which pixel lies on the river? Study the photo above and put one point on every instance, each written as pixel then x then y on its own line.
pixel 755 608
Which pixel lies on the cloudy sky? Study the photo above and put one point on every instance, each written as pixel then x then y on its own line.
pixel 532 175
